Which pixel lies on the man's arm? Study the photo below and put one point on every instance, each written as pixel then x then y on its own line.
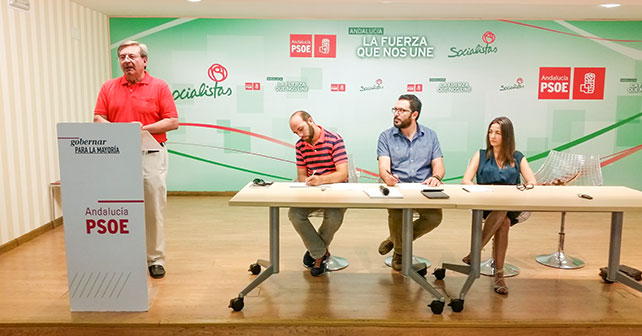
pixel 385 172
pixel 100 118
pixel 301 174
pixel 162 126
pixel 340 175
pixel 438 172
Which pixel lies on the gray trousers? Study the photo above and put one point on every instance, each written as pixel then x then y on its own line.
pixel 316 242
pixel 427 221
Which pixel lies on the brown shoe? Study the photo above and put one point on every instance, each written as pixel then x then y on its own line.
pixel 396 262
pixel 386 246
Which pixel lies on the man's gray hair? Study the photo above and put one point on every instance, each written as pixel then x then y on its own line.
pixel 143 47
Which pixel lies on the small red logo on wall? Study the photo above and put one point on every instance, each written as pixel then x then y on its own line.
pixel 554 83
pixel 252 86
pixel 488 37
pixel 217 73
pixel 415 87
pixel 300 45
pixel 337 87
pixel 588 83
pixel 325 46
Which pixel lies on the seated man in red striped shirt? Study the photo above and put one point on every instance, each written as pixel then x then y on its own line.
pixel 321 158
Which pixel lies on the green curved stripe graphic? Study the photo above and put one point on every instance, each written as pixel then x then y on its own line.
pixel 574 142
pixel 585 138
pixel 227 166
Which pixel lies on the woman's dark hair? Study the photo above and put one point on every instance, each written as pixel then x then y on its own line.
pixel 508 142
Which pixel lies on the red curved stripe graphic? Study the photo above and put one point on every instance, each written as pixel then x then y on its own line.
pixel 620 155
pixel 260 136
pixel 565 33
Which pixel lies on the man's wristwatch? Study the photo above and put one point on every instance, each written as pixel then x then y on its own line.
pixel 437 177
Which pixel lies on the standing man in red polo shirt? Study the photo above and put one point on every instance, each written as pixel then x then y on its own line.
pixel 321 158
pixel 140 98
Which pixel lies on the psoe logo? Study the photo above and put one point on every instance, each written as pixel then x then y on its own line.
pixel 308 45
pixel 554 83
pixel 217 73
pixel 300 45
pixel 588 83
pixel 339 87
pixel 414 87
pixel 378 86
pixel 519 84
pixel 488 38
pixel 325 46
pixel 250 86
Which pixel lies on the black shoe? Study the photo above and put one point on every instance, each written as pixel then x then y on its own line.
pixel 320 265
pixel 396 262
pixel 386 246
pixel 156 271
pixel 308 261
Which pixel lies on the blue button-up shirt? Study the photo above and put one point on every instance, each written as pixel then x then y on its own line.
pixel 410 160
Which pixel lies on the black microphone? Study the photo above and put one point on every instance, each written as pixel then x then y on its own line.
pixel 384 190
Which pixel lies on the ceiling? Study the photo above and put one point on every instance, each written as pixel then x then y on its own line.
pixel 372 9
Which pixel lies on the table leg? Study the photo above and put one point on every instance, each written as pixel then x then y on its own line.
pixel 406 239
pixel 271 267
pixel 614 245
pixel 475 253
pixel 407 266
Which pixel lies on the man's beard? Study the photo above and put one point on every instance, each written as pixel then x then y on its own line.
pixel 402 124
pixel 310 136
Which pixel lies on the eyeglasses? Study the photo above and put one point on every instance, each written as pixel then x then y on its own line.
pixel 259 182
pixel 522 186
pixel 399 110
pixel 123 57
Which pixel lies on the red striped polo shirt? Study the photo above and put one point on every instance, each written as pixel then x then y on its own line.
pixel 323 156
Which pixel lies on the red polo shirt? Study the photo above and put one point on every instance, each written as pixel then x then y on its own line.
pixel 147 101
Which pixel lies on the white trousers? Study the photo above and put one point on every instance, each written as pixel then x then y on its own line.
pixel 155 186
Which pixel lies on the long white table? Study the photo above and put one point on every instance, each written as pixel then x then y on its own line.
pixel 345 195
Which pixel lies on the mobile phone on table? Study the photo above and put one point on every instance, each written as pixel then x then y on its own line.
pixel 435 193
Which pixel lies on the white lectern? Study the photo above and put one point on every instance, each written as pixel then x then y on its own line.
pixel 104 216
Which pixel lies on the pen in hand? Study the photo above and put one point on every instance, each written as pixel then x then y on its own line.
pixel 389 173
pixel 311 177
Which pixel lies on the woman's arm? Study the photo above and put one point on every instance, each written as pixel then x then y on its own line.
pixel 527 172
pixel 471 170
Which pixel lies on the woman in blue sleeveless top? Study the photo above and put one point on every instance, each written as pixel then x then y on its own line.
pixel 499 163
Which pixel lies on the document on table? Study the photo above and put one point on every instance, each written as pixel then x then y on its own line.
pixel 376 193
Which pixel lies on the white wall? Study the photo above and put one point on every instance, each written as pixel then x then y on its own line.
pixel 53 60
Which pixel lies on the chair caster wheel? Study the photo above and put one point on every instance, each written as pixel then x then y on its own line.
pixel 236 304
pixel 423 271
pixel 436 306
pixel 457 305
pixel 439 273
pixel 255 268
pixel 603 275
